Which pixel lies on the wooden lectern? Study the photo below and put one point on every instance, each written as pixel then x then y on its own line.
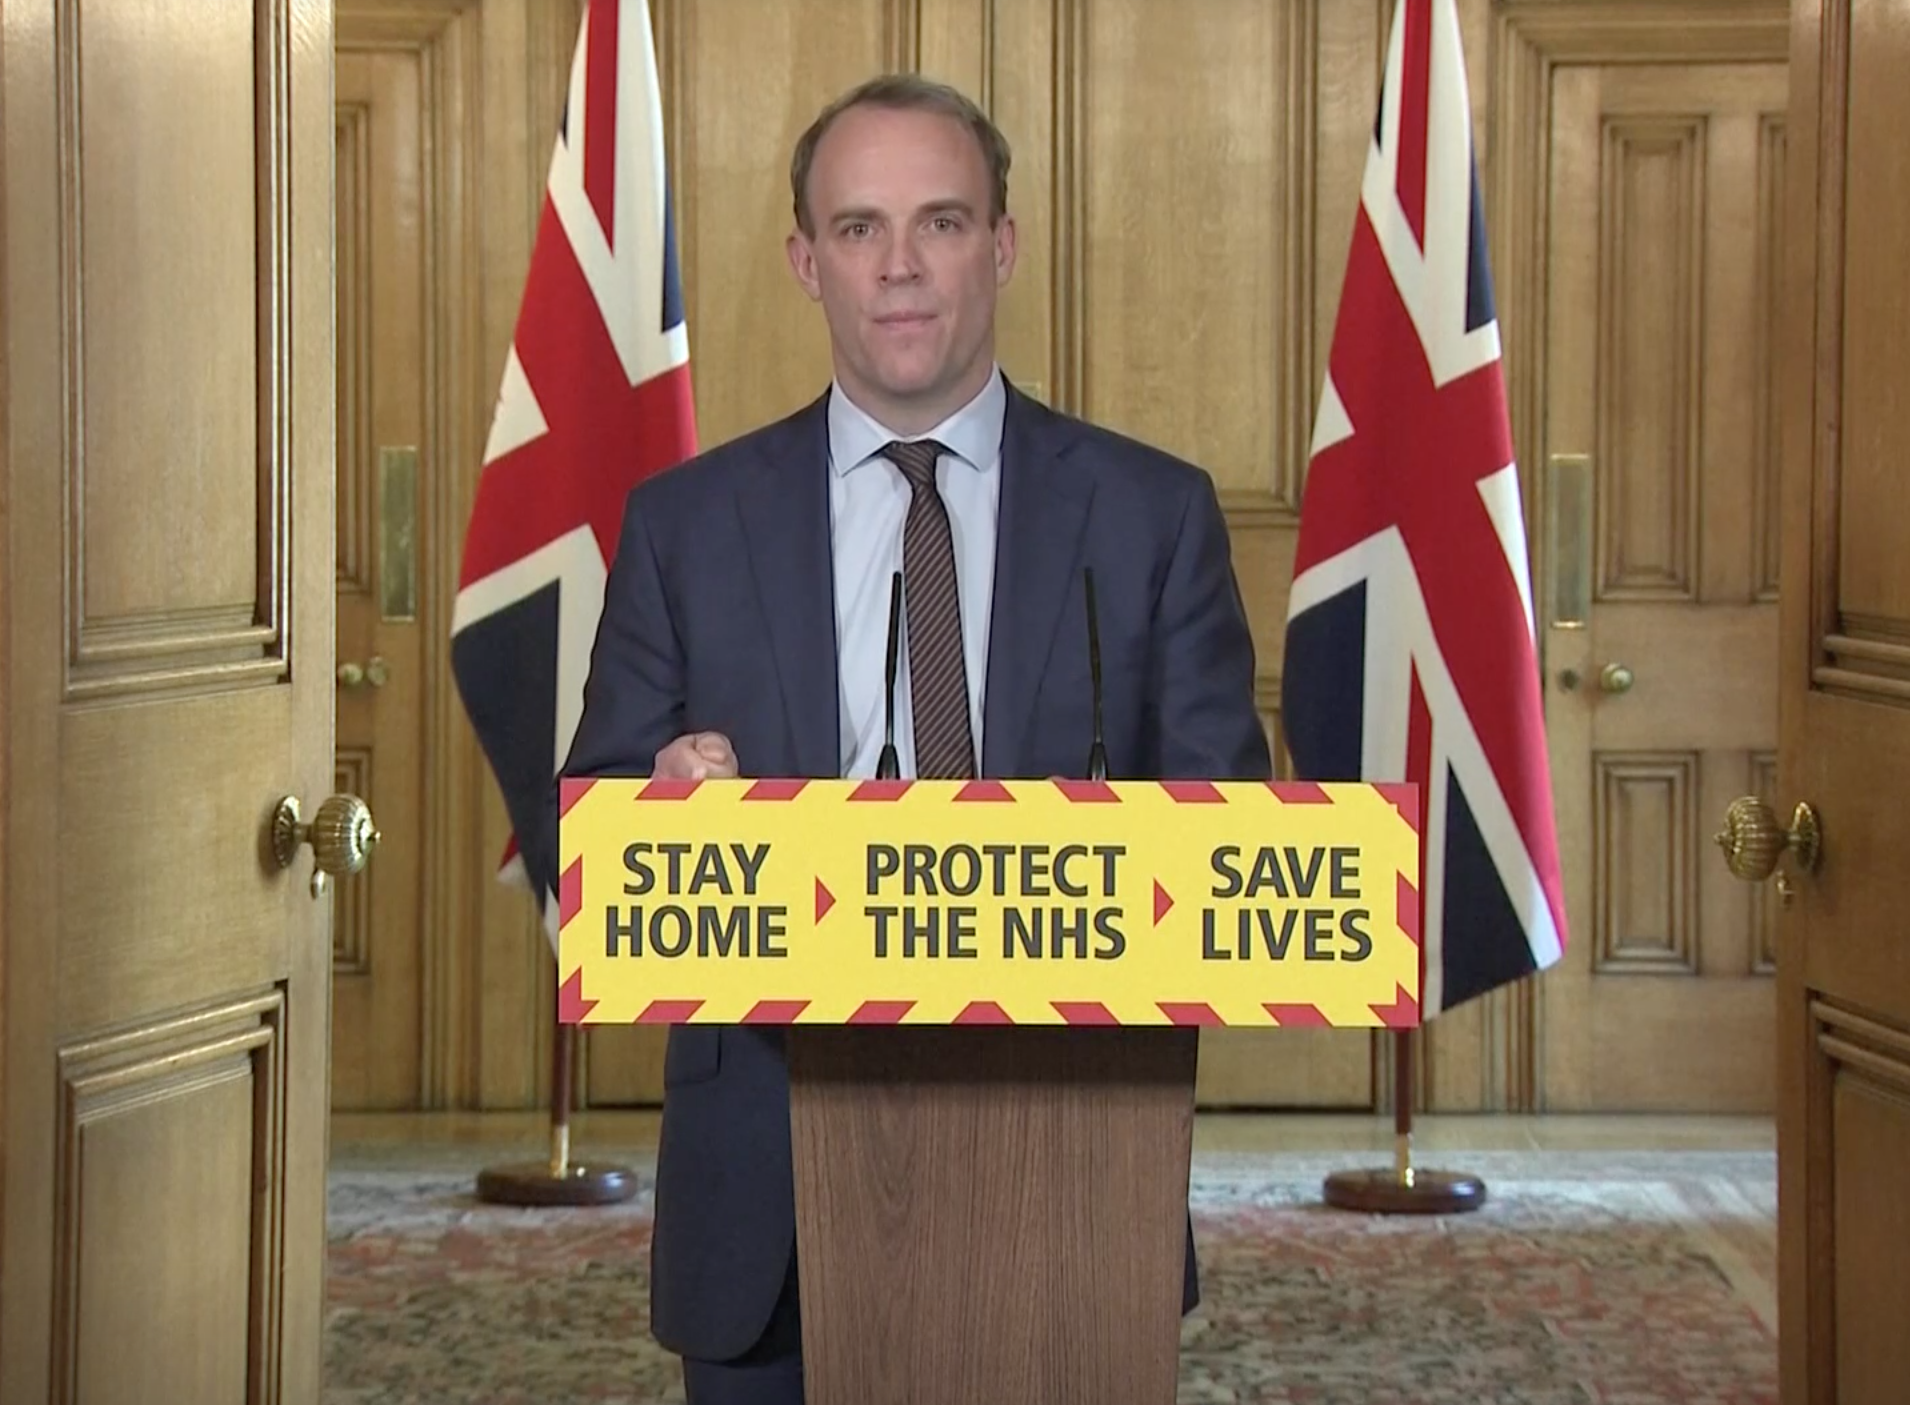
pixel 991 1215
pixel 991 1198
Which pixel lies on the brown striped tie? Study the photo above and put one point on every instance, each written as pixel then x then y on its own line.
pixel 938 675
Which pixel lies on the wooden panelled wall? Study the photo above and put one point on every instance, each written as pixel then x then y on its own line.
pixel 1185 177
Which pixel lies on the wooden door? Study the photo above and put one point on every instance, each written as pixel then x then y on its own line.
pixel 413 410
pixel 1662 556
pixel 380 294
pixel 166 489
pixel 1844 699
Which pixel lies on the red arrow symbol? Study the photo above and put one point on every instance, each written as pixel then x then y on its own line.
pixel 824 900
pixel 1163 900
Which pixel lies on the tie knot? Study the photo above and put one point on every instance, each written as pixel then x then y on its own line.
pixel 916 459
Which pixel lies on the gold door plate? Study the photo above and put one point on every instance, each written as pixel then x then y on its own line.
pixel 398 533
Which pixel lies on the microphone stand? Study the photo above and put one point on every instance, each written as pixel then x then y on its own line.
pixel 1097 752
pixel 888 768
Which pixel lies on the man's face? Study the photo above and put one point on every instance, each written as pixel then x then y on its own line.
pixel 904 261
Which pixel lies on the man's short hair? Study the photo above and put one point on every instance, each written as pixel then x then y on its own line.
pixel 908 91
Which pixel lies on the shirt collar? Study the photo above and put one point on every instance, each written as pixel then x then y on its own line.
pixel 971 434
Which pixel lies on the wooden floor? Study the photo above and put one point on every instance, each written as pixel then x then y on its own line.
pixel 378 1136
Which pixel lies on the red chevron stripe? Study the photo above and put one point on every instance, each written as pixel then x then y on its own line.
pixel 570 892
pixel 1403 1013
pixel 775 1011
pixel 665 788
pixel 1191 1012
pixel 572 1008
pixel 668 1012
pixel 1299 793
pixel 1087 1012
pixel 1404 797
pixel 985 791
pixel 880 1012
pixel 1298 1016
pixel 1088 792
pixel 570 790
pixel 1194 792
pixel 1407 908
pixel 881 790
pixel 775 790
pixel 982 1012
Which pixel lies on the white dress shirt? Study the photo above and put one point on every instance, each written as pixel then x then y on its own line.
pixel 868 504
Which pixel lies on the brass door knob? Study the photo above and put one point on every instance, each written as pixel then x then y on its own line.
pixel 1753 841
pixel 375 672
pixel 341 834
pixel 1615 678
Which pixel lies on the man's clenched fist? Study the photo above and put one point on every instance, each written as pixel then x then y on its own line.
pixel 696 756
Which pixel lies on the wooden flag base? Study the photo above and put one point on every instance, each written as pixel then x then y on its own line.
pixel 558 1181
pixel 1405 1189
pixel 1407 1192
pixel 536 1183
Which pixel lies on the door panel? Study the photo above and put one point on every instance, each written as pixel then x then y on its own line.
pixel 165 484
pixel 1844 699
pixel 1665 233
pixel 421 237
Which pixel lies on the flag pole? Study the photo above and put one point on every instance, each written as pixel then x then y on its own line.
pixel 1405 1189
pixel 557 1180
pixel 560 464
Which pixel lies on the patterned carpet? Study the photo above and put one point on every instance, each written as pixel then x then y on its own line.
pixel 1588 1279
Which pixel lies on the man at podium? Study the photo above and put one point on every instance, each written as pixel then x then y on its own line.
pixel 748 615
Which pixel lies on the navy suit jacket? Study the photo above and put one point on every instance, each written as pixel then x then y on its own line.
pixel 719 615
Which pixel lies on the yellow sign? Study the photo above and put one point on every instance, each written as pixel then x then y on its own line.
pixel 1003 902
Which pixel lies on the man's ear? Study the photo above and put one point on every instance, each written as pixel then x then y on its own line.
pixel 1005 250
pixel 802 262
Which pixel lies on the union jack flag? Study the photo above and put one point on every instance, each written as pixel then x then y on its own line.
pixel 1410 649
pixel 595 397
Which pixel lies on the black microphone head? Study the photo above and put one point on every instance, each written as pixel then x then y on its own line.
pixel 895 630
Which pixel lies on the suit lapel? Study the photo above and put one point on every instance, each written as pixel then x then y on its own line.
pixel 784 502
pixel 1044 510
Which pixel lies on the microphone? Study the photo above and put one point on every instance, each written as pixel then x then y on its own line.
pixel 888 767
pixel 1097 753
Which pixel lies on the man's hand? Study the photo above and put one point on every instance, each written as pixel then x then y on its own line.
pixel 696 756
